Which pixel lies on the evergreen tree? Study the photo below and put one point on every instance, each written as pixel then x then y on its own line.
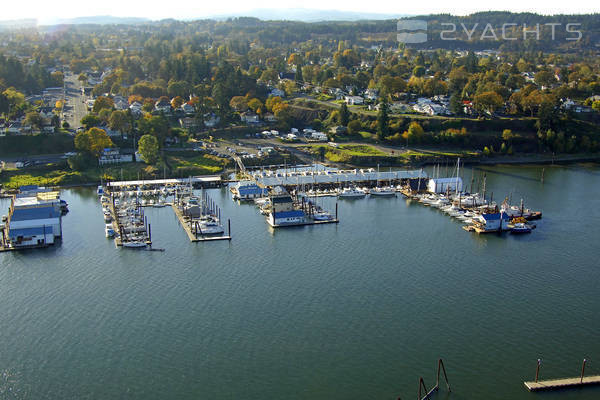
pixel 383 121
pixel 298 76
pixel 456 104
pixel 344 115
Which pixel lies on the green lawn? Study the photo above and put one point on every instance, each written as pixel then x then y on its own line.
pixel 361 150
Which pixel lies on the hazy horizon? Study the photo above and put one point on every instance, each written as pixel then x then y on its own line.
pixel 47 13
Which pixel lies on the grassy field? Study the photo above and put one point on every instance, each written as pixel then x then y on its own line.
pixel 180 165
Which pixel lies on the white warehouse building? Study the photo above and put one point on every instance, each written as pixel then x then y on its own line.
pixel 442 185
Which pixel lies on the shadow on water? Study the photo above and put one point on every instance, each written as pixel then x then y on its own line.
pixel 512 175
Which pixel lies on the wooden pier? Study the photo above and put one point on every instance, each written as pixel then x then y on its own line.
pixel 565 383
pixel 561 383
pixel 311 222
pixel 190 233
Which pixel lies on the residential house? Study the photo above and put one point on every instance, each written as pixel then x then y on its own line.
pixel 277 92
pixel 113 156
pixel 188 109
pixel 188 123
pixel 249 117
pixel 354 100
pixel 269 117
pixel 211 120
pixel 338 130
pixel 319 136
pixel 371 94
pixel 163 105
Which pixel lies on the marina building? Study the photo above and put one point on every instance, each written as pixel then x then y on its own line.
pixel 34 220
pixel 442 185
pixel 248 191
pixel 283 211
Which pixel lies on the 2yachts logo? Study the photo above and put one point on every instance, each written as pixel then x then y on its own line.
pixel 408 31
pixel 415 31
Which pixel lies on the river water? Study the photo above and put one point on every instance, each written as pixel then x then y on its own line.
pixel 357 310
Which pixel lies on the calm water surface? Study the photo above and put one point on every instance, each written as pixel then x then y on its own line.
pixel 357 310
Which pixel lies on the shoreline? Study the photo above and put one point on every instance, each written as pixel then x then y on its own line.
pixel 561 160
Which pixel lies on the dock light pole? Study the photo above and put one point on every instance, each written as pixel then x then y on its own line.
pixel 537 370
pixel 583 370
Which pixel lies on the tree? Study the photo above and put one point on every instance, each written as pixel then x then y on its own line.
pixel 415 133
pixel 344 115
pixel 255 105
pixel 487 102
pixel 156 125
pixel 456 106
pixel 93 141
pixel 507 135
pixel 102 102
pixel 177 102
pixel 354 127
pixel 119 121
pixel 148 148
pixel 239 103
pixel 89 121
pixel 34 119
pixel 82 78
pixel 383 121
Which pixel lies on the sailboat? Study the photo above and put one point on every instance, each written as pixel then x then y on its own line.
pixel 386 191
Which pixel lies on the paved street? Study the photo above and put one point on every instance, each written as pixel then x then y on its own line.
pixel 75 109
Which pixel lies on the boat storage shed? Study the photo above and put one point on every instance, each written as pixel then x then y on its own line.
pixel 442 185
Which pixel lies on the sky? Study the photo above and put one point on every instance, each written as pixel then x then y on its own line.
pixel 47 11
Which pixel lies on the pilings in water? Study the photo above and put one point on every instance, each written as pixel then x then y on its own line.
pixel 425 394
pixel 561 383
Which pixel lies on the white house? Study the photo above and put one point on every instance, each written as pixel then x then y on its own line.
pixel 320 136
pixel 354 100
pixel 113 156
pixel 249 118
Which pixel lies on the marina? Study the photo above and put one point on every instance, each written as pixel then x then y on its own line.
pixel 356 307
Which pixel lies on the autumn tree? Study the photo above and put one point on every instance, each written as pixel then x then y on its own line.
pixel 487 102
pixel 102 102
pixel 148 148
pixel 92 141
pixel 177 102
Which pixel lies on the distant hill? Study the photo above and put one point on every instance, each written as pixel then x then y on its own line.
pixel 307 15
pixel 18 23
pixel 99 20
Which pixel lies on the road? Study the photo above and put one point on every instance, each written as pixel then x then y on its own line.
pixel 75 106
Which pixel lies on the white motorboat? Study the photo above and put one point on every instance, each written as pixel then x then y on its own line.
pixel 134 244
pixel 209 225
pixel 385 191
pixel 352 193
pixel 322 216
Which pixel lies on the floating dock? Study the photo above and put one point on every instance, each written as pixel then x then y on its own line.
pixel 309 222
pixel 565 383
pixel 190 233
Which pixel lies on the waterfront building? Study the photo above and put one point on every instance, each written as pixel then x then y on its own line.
pixel 443 185
pixel 248 191
pixel 34 220
pixel 283 211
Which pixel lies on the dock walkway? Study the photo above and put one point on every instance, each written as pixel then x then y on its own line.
pixel 188 229
pixel 564 383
